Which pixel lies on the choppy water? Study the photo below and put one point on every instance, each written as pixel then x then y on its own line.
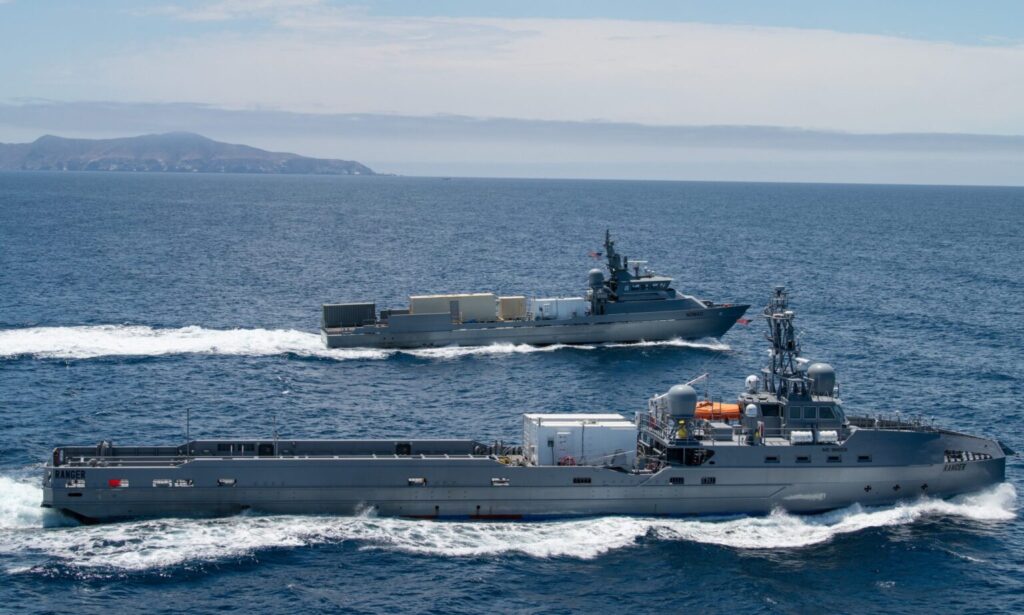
pixel 126 299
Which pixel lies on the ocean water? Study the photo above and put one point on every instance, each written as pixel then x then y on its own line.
pixel 127 299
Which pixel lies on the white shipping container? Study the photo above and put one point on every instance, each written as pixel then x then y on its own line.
pixel 476 307
pixel 560 308
pixel 579 439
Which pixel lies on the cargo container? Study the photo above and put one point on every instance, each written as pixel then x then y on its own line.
pixel 476 307
pixel 579 439
pixel 349 314
pixel 512 308
pixel 561 308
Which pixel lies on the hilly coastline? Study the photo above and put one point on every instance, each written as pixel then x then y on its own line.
pixel 175 152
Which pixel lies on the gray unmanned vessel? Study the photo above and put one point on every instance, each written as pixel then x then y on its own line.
pixel 792 447
pixel 632 304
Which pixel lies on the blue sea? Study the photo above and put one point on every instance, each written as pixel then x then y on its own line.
pixel 126 300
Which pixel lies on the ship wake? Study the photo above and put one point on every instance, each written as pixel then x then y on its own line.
pixel 96 341
pixel 36 541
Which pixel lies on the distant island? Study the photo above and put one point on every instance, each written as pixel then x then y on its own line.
pixel 173 152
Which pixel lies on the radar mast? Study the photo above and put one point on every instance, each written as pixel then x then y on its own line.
pixel 781 375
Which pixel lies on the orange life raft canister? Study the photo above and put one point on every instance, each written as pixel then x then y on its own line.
pixel 717 411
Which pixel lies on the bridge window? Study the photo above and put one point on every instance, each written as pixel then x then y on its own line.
pixel 826 413
pixel 864 459
pixel 809 413
pixel 677 480
pixel 834 459
pixel 581 480
pixel 708 480
pixel 771 459
pixel 803 459
pixel 794 413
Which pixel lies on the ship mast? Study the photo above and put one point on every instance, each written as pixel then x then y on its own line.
pixel 618 265
pixel 781 375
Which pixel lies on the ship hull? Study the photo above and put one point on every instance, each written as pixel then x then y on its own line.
pixel 484 488
pixel 622 328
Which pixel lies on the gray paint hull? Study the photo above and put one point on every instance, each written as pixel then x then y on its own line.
pixel 621 328
pixel 464 486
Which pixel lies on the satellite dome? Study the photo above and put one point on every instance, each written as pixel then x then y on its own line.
pixel 682 401
pixel 750 411
pixel 752 382
pixel 595 278
pixel 823 378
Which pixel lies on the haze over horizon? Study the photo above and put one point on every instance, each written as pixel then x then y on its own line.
pixel 922 92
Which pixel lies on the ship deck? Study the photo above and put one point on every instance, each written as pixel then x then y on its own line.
pixel 105 455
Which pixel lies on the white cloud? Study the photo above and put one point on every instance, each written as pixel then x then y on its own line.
pixel 318 59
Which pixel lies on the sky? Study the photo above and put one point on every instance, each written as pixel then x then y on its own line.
pixel 792 90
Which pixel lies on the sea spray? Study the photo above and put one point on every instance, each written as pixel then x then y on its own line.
pixel 151 544
pixel 93 341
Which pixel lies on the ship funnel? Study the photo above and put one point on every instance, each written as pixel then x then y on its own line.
pixel 682 401
pixel 595 278
pixel 822 377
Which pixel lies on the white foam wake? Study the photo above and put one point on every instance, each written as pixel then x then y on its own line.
pixel 152 544
pixel 87 342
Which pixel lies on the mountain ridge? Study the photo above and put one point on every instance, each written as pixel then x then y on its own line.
pixel 171 152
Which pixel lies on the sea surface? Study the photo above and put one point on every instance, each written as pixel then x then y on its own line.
pixel 127 299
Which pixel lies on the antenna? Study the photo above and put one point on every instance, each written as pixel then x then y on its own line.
pixel 277 451
pixel 188 430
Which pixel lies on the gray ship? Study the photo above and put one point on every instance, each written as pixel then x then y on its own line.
pixel 790 446
pixel 632 304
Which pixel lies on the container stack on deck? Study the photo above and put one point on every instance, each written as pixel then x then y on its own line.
pixel 475 307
